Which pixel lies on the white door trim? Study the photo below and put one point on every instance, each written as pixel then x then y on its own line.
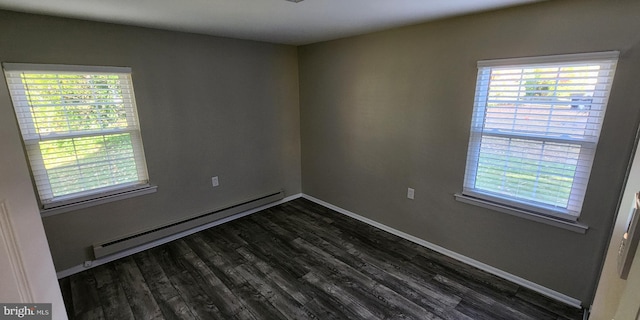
pixel 12 247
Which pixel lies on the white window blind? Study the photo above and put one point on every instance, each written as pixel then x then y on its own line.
pixel 535 127
pixel 80 129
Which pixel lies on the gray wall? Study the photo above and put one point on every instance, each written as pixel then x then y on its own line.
pixel 207 106
pixel 391 110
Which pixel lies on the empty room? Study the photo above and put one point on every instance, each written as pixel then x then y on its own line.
pixel 319 159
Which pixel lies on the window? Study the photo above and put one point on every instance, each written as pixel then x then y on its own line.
pixel 80 130
pixel 534 132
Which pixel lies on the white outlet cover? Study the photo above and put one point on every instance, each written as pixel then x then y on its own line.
pixel 410 193
pixel 214 181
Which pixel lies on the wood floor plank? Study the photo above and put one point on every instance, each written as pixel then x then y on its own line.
pixel 349 238
pixel 552 306
pixel 84 296
pixel 111 294
pixel 281 254
pixel 374 294
pixel 477 293
pixel 417 289
pixel 155 276
pixel 176 308
pixel 224 268
pixel 290 308
pixel 168 298
pixel 312 307
pixel 407 276
pixel 93 314
pixel 322 304
pixel 228 304
pixel 143 305
pixel 349 302
pixel 282 281
pixel 275 250
pixel 319 305
pixel 432 260
pixel 196 299
pixel 358 254
pixel 298 260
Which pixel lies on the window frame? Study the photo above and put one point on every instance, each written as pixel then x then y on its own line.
pixel 32 138
pixel 505 203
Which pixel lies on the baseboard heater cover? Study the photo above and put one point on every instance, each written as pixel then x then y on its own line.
pixel 139 238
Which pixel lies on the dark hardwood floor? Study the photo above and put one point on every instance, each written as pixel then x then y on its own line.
pixel 298 260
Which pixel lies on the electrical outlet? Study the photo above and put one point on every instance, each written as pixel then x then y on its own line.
pixel 214 181
pixel 410 193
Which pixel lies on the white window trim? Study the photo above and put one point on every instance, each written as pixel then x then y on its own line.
pixel 574 226
pixel 552 216
pixel 96 196
pixel 97 199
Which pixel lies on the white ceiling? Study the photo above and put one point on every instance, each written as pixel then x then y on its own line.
pixel 277 21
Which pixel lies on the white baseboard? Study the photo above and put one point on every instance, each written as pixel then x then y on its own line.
pixel 482 266
pixel 128 252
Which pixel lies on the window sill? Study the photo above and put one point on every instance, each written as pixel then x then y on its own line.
pixel 568 225
pixel 100 199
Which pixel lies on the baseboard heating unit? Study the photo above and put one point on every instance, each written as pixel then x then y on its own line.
pixel 144 236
